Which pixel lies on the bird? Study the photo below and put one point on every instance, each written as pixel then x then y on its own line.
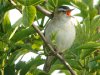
pixel 60 33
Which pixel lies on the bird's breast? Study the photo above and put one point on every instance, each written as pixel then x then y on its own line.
pixel 63 32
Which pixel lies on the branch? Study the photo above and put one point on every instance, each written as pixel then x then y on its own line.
pixel 53 51
pixel 15 5
pixel 44 11
pixel 49 14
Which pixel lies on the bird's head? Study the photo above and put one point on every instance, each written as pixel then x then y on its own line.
pixel 63 10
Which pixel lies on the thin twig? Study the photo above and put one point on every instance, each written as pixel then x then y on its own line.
pixel 55 53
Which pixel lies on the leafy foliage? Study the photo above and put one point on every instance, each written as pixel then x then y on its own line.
pixel 18 39
pixel 29 13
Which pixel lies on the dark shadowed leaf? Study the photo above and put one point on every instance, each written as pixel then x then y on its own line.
pixel 9 70
pixel 96 58
pixel 20 65
pixel 33 63
pixel 93 66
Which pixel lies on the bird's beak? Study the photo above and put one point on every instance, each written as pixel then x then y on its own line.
pixel 68 12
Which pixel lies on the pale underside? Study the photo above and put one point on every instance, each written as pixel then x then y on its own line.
pixel 64 31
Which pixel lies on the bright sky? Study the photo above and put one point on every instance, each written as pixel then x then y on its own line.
pixel 15 15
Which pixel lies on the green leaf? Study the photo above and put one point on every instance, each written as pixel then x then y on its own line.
pixel 35 71
pixel 86 29
pixel 93 12
pixel 87 48
pixel 95 21
pixel 74 64
pixel 6 23
pixel 9 70
pixel 56 66
pixel 30 2
pixel 63 2
pixel 22 34
pixel 37 61
pixel 66 72
pixel 20 65
pixel 86 52
pixel 92 66
pixel 5 5
pixel 25 46
pixel 89 3
pixel 89 45
pixel 54 3
pixel 29 13
pixel 31 64
pixel 83 8
pixel 17 23
pixel 96 58
pixel 39 15
pixel 15 55
pixel 14 31
pixel 69 55
pixel 2 46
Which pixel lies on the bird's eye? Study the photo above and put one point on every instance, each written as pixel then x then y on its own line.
pixel 63 11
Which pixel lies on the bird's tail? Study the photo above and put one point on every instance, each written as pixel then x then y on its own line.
pixel 49 61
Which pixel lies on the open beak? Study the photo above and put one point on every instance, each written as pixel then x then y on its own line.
pixel 68 12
